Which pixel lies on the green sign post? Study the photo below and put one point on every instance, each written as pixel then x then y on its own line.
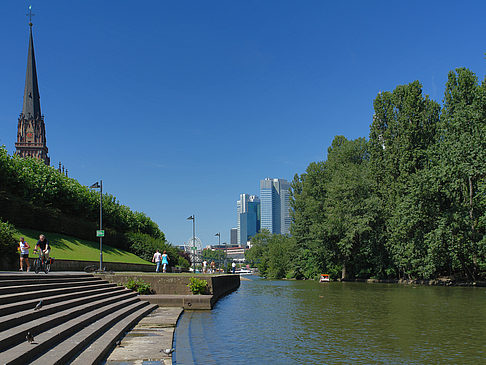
pixel 100 233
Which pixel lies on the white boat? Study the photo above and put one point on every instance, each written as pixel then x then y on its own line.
pixel 244 272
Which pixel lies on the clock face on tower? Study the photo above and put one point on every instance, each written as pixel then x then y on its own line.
pixel 30 137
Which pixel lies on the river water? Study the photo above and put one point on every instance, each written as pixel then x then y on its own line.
pixel 304 322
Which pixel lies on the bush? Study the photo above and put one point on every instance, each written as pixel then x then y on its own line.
pixel 140 286
pixel 35 194
pixel 144 246
pixel 198 286
pixel 7 240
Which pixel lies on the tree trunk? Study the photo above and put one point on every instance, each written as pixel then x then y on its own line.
pixel 343 272
pixel 471 202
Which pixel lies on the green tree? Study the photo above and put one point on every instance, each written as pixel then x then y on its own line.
pixel 402 135
pixel 461 159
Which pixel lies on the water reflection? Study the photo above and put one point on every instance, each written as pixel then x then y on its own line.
pixel 304 322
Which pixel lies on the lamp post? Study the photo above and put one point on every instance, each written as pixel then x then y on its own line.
pixel 99 185
pixel 193 247
pixel 219 243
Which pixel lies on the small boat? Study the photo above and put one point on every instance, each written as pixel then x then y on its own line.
pixel 324 278
pixel 244 272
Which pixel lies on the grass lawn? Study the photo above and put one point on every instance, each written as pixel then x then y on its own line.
pixel 71 248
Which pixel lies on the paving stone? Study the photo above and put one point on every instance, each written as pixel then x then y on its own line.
pixel 145 343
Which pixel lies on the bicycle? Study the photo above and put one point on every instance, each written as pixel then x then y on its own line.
pixel 42 264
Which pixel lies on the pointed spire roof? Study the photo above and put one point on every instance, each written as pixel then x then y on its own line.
pixel 31 108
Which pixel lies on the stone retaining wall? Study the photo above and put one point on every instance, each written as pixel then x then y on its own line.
pixel 218 285
pixel 74 265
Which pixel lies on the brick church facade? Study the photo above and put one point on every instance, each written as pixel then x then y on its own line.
pixel 31 132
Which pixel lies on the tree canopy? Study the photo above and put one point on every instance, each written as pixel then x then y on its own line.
pixel 409 202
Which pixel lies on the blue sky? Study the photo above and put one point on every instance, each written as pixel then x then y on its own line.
pixel 181 106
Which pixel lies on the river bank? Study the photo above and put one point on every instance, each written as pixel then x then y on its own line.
pixel 431 282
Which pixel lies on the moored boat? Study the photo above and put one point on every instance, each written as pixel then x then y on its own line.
pixel 324 278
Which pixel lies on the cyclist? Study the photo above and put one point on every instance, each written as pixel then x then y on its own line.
pixel 43 247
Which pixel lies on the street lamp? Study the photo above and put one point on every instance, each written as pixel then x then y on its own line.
pixel 99 185
pixel 219 243
pixel 193 218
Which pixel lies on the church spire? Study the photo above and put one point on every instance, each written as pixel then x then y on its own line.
pixel 31 108
pixel 31 129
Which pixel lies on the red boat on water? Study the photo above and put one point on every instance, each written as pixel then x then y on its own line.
pixel 324 278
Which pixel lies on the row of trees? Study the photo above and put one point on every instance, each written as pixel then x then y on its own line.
pixel 37 196
pixel 34 182
pixel 410 202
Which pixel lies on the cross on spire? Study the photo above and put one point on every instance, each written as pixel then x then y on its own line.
pixel 30 15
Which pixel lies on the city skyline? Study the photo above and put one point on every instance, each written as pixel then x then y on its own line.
pixel 151 99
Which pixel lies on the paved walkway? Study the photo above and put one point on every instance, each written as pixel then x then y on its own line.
pixel 146 342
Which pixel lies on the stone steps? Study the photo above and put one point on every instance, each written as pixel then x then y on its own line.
pixel 26 303
pixel 77 314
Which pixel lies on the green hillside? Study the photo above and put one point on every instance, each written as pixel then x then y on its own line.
pixel 71 248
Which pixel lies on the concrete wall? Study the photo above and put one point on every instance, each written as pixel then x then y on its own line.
pixel 72 265
pixel 218 285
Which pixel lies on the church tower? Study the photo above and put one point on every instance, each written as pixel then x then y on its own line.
pixel 31 133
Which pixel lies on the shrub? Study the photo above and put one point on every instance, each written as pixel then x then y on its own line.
pixel 7 240
pixel 144 246
pixel 140 286
pixel 198 286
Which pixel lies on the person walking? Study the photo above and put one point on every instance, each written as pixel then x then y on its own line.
pixel 205 267
pixel 233 267
pixel 157 259
pixel 165 261
pixel 24 254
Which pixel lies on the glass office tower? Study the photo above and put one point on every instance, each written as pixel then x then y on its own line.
pixel 248 216
pixel 275 205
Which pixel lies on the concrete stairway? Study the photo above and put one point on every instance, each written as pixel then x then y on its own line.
pixel 81 317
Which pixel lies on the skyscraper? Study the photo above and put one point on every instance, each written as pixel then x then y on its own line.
pixel 275 205
pixel 31 129
pixel 248 217
pixel 234 236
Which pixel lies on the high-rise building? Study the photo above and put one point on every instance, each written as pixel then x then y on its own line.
pixel 248 217
pixel 234 236
pixel 31 129
pixel 275 205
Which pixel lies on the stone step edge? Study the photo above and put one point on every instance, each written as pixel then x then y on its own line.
pixel 14 319
pixel 17 334
pixel 20 275
pixel 102 347
pixel 70 347
pixel 12 298
pixel 47 339
pixel 7 309
pixel 54 279
pixel 16 289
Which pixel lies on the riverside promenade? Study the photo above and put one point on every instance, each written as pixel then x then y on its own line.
pixel 148 339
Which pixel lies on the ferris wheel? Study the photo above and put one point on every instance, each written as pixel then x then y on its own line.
pixel 193 244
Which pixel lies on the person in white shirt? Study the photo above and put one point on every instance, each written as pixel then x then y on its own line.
pixel 233 267
pixel 24 254
pixel 157 259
